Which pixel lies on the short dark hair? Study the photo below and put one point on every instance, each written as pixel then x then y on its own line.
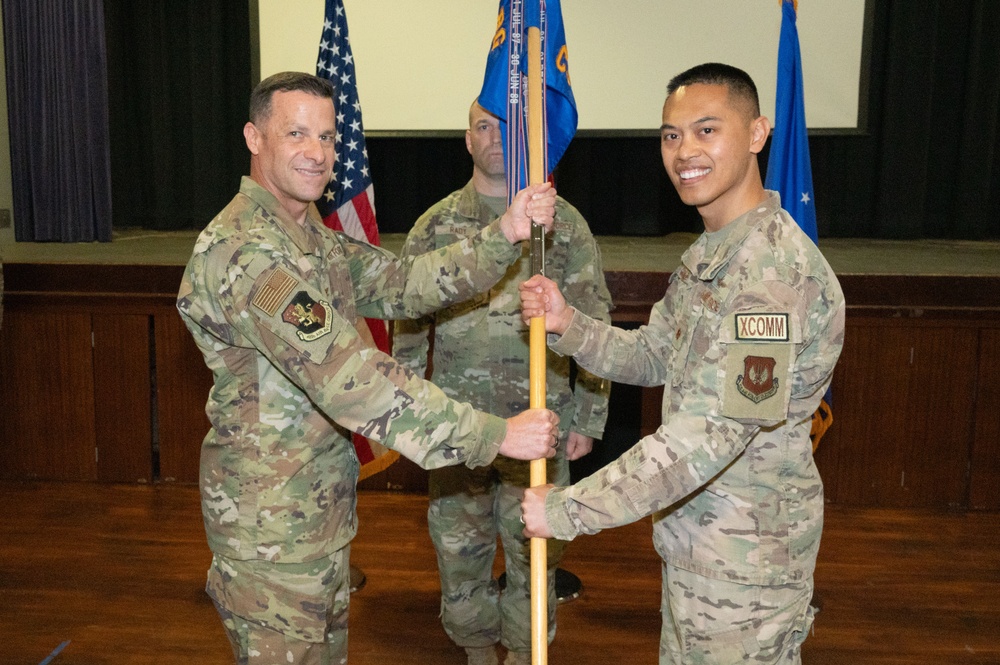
pixel 260 98
pixel 736 80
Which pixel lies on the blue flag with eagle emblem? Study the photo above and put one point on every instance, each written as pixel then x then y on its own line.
pixel 506 79
pixel 789 171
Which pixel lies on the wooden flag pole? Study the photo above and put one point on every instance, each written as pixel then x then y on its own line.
pixel 536 361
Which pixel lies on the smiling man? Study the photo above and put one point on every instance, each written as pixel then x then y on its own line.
pixel 271 297
pixel 744 342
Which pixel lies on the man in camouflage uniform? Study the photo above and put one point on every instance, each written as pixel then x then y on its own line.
pixel 744 341
pixel 480 354
pixel 271 298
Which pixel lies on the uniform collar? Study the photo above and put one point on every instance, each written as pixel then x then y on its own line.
pixel 305 236
pixel 471 205
pixel 707 267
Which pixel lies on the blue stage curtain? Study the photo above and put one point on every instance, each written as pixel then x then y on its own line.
pixel 179 81
pixel 58 119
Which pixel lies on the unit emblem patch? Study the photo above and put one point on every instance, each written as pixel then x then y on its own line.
pixel 311 319
pixel 757 382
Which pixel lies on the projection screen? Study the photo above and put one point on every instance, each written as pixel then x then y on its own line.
pixel 420 62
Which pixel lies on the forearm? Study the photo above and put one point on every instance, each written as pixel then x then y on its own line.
pixel 591 395
pixel 627 356
pixel 411 344
pixel 412 287
pixel 658 471
pixel 409 414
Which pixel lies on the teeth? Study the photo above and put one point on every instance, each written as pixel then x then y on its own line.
pixel 694 173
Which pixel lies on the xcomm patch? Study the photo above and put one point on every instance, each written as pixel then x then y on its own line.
pixel 765 327
pixel 760 351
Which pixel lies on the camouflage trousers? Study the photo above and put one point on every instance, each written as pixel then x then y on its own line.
pixel 284 613
pixel 469 509
pixel 711 622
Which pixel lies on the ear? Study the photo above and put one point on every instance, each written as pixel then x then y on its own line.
pixel 252 136
pixel 468 140
pixel 760 129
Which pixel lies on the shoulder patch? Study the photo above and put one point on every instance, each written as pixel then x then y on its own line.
pixel 274 291
pixel 765 327
pixel 310 318
pixel 758 383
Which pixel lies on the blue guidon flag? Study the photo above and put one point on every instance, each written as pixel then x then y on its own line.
pixel 506 79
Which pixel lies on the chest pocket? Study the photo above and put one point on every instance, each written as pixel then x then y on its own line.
pixel 687 317
pixel 448 234
pixel 557 246
pixel 339 284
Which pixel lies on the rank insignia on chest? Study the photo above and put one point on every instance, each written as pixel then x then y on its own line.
pixel 757 382
pixel 311 319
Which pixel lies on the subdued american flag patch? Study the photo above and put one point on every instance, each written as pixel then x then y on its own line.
pixel 274 291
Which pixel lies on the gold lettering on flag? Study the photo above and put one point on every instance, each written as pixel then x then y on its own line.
pixel 501 35
pixel 562 62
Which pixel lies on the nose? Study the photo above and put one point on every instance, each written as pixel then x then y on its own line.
pixel 687 147
pixel 317 149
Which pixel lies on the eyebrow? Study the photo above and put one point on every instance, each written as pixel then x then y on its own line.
pixel 707 118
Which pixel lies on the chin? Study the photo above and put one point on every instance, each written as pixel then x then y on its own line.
pixel 312 196
pixel 691 198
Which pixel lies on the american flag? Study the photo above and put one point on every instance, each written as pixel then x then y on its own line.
pixel 348 204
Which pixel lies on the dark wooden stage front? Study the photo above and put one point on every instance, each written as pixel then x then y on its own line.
pixel 99 380
pixel 118 571
pixel 101 384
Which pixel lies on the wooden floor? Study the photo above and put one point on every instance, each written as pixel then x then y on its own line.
pixel 114 574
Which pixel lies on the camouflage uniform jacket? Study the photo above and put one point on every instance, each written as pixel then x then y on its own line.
pixel 481 344
pixel 745 342
pixel 272 306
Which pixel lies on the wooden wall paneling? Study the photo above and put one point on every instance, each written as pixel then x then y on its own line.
pixel 183 382
pixel 123 398
pixel 402 475
pixel 651 409
pixel 902 398
pixel 863 452
pixel 984 483
pixel 938 430
pixel 827 453
pixel 46 395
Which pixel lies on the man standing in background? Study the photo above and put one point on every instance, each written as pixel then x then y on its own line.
pixel 480 355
